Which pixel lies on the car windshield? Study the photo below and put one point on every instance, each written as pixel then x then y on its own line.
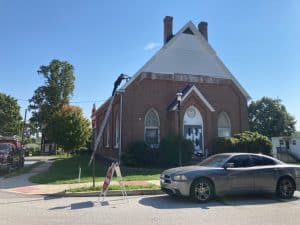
pixel 214 161
pixel 4 148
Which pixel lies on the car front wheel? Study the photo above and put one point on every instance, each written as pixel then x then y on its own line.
pixel 285 188
pixel 202 190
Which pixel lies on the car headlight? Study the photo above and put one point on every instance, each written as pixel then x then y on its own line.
pixel 179 178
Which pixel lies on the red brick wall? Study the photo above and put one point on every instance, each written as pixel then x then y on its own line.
pixel 145 93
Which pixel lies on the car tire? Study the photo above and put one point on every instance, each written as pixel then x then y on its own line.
pixel 202 190
pixel 285 188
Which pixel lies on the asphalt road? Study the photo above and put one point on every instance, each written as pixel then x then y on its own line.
pixel 143 210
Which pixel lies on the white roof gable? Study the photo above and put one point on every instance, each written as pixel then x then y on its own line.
pixel 188 54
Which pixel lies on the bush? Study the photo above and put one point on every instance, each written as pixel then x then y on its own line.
pixel 169 151
pixel 251 142
pixel 140 154
pixel 32 149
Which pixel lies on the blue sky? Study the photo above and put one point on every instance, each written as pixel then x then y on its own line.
pixel 257 40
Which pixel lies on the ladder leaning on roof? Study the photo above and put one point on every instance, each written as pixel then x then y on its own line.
pixel 103 124
pixel 107 113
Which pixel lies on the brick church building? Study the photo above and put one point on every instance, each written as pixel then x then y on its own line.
pixel 184 88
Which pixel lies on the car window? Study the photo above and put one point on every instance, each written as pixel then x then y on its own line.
pixel 214 161
pixel 4 147
pixel 262 161
pixel 240 161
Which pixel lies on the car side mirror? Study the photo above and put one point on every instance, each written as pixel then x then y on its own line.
pixel 228 165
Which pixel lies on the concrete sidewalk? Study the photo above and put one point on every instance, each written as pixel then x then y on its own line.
pixel 21 184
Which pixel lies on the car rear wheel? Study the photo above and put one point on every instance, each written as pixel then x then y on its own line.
pixel 285 188
pixel 202 190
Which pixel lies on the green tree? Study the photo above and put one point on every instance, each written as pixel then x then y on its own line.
pixel 69 129
pixel 10 118
pixel 269 117
pixel 49 98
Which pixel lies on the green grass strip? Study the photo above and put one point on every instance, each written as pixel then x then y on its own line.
pixel 64 170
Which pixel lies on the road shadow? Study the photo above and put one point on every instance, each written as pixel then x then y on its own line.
pixel 82 205
pixel 168 202
pixel 111 203
pixel 16 198
pixel 75 206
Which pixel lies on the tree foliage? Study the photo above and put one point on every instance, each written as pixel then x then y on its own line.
pixel 269 117
pixel 68 128
pixel 10 118
pixel 49 98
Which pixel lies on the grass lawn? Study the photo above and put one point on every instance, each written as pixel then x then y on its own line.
pixel 64 170
pixel 116 187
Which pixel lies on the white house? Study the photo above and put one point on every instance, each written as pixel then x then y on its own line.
pixel 290 145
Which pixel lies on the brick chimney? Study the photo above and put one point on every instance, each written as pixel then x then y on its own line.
pixel 202 27
pixel 168 28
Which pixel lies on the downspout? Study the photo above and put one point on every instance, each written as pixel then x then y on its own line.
pixel 120 127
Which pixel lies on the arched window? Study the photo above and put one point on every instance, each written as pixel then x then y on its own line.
pixel 224 127
pixel 152 128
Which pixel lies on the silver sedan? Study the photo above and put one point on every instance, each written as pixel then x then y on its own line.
pixel 232 173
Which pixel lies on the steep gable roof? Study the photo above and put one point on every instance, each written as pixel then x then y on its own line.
pixel 188 53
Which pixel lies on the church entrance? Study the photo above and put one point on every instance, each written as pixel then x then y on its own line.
pixel 193 128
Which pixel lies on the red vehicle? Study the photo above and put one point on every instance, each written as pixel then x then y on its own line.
pixel 11 154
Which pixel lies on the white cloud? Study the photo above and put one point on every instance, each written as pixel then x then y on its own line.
pixel 151 45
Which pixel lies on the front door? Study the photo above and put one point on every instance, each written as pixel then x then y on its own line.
pixel 194 134
pixel 193 128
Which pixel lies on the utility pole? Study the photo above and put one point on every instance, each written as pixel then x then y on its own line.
pixel 24 124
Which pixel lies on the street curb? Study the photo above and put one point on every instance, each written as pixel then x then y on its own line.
pixel 109 193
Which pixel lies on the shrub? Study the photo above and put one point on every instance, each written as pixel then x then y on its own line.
pixel 140 154
pixel 169 151
pixel 32 149
pixel 251 142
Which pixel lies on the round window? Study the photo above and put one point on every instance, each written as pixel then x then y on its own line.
pixel 191 112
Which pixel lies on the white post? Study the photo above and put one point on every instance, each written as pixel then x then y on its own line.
pixel 79 174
